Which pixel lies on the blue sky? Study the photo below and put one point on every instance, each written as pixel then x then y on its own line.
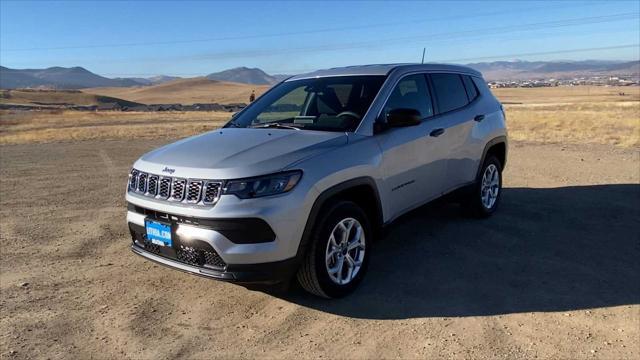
pixel 148 38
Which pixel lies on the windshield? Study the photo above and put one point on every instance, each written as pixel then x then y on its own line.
pixel 328 104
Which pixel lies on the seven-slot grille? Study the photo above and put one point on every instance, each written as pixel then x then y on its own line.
pixel 191 191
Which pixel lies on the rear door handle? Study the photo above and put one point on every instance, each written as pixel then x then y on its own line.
pixel 437 132
pixel 478 118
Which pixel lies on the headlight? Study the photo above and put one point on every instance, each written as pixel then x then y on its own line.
pixel 263 186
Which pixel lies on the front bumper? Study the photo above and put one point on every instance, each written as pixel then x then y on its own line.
pixel 193 254
pixel 238 250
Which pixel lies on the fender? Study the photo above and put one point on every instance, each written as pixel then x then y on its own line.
pixel 494 141
pixel 323 199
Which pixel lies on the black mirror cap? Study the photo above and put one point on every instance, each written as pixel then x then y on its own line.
pixel 403 117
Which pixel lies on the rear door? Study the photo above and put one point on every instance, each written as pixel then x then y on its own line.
pixel 455 107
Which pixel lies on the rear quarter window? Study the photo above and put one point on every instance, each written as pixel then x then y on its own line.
pixel 450 92
pixel 481 85
pixel 472 91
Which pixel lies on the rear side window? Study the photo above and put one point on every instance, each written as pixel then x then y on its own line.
pixel 450 91
pixel 472 92
pixel 411 92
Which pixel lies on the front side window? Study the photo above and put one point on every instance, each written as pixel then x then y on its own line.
pixel 328 104
pixel 411 92
pixel 450 91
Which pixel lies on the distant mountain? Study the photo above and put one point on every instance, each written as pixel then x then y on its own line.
pixel 80 78
pixel 244 75
pixel 160 79
pixel 513 70
pixel 280 77
pixel 57 78
pixel 154 80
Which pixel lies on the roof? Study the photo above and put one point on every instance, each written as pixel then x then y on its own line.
pixel 384 69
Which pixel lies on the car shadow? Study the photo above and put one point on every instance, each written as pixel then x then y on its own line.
pixel 551 249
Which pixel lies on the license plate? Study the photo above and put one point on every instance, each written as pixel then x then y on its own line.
pixel 158 233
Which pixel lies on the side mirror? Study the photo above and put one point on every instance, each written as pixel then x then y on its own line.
pixel 403 117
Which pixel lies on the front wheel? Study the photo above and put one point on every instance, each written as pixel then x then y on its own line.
pixel 339 253
pixel 485 195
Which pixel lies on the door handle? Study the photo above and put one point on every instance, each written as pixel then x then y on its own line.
pixel 437 132
pixel 478 118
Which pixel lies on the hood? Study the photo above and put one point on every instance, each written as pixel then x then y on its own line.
pixel 238 153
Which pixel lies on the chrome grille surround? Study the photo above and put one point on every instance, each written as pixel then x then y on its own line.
pixel 194 190
pixel 178 187
pixel 165 188
pixel 179 190
pixel 211 192
pixel 152 185
pixel 133 179
pixel 142 182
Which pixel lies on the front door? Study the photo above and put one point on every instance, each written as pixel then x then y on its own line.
pixel 413 161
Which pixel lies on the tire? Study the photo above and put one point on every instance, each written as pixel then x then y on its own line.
pixel 476 204
pixel 314 275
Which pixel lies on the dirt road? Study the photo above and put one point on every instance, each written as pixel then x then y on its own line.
pixel 554 274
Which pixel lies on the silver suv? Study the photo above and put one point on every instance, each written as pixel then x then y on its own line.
pixel 300 183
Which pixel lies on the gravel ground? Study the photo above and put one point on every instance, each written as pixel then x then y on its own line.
pixel 554 274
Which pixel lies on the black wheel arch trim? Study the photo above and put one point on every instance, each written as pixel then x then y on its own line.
pixel 497 140
pixel 323 199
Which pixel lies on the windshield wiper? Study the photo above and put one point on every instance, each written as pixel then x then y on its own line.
pixel 276 125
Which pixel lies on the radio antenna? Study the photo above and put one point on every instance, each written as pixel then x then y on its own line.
pixel 423 51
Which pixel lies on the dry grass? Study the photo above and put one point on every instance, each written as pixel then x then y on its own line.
pixel 568 95
pixel 595 115
pixel 18 127
pixel 47 97
pixel 587 123
pixel 581 114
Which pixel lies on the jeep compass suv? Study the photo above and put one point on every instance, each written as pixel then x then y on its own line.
pixel 299 183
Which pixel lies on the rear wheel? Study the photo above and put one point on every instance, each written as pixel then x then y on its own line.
pixel 485 195
pixel 339 253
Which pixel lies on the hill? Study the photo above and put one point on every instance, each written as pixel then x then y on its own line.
pixel 244 75
pixel 57 78
pixel 184 91
pixel 57 98
pixel 154 80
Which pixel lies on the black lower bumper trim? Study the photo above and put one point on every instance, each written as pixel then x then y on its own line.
pixel 264 273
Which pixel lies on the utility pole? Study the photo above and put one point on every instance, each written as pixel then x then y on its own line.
pixel 423 51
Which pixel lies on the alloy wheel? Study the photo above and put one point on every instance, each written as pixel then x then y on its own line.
pixel 490 186
pixel 345 251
